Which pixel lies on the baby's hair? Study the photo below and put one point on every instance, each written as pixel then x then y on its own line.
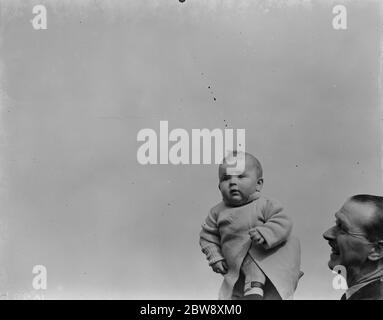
pixel 248 156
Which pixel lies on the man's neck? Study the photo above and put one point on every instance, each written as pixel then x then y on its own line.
pixel 369 273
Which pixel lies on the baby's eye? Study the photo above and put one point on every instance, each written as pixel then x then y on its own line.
pixel 241 176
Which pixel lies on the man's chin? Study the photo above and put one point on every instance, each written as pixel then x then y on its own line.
pixel 334 261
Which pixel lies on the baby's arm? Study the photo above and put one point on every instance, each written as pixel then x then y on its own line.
pixel 277 225
pixel 210 239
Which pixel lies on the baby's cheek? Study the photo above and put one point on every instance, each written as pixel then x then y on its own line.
pixel 224 187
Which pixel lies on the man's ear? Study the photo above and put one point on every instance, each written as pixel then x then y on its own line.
pixel 259 184
pixel 376 252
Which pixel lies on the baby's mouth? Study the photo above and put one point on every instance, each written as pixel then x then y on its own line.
pixel 235 193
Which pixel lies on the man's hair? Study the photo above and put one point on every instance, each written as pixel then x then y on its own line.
pixel 373 229
pixel 254 160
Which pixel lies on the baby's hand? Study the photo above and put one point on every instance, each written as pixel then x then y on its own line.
pixel 220 267
pixel 256 236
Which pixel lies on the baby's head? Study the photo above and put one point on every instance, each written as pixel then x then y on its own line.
pixel 238 188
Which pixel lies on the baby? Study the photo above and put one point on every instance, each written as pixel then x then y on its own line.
pixel 246 237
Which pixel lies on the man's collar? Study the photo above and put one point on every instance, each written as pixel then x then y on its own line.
pixel 363 281
pixel 373 290
pixel 350 291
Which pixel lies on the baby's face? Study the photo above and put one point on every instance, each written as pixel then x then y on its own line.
pixel 237 188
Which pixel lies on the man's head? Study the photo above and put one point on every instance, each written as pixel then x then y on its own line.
pixel 357 237
pixel 237 187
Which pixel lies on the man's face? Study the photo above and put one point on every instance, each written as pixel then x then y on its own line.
pixel 237 188
pixel 349 246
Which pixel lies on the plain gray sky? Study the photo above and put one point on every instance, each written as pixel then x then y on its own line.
pixel 75 199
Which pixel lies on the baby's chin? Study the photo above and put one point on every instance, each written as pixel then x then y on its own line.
pixel 235 201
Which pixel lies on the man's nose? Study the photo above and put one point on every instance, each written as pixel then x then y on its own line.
pixel 329 234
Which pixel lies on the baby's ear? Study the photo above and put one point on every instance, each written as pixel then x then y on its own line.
pixel 259 184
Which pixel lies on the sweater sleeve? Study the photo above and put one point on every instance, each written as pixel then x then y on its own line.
pixel 277 225
pixel 210 240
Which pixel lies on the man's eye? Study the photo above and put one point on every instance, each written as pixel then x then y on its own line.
pixel 340 228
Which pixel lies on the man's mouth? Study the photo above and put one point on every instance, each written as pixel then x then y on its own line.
pixel 334 249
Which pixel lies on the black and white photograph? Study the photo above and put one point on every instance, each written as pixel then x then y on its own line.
pixel 191 150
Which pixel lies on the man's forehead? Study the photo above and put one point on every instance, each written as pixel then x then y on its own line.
pixel 356 214
pixel 342 217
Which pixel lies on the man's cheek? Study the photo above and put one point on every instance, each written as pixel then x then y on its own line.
pixel 349 256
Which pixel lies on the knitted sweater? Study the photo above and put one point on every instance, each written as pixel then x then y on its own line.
pixel 225 235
